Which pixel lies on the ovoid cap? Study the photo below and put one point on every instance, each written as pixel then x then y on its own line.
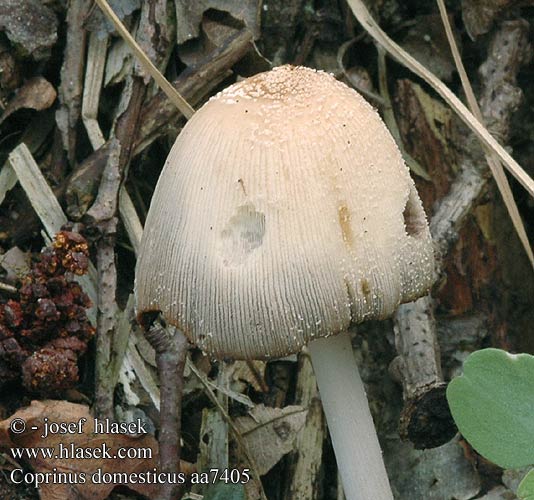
pixel 284 212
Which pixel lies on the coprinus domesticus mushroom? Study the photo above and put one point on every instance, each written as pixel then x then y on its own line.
pixel 283 214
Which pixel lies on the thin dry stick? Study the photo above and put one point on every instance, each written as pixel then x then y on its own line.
pixel 493 162
pixel 163 83
pixel 366 20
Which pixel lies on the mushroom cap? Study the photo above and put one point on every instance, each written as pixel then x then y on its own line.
pixel 284 212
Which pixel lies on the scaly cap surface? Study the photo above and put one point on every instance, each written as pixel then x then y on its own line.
pixel 283 213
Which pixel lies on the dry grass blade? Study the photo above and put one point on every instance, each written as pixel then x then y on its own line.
pixel 37 189
pixel 143 374
pixel 366 20
pixel 131 221
pixel 163 83
pixel 8 180
pixel 47 208
pixel 493 162
pixel 96 60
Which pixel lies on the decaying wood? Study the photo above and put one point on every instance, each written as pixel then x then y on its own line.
pixel 37 189
pixel 416 340
pixel 279 376
pixel 426 419
pixel 148 42
pixel 249 459
pixel 361 13
pixel 70 90
pixel 304 465
pixel 497 170
pixel 36 137
pixel 279 26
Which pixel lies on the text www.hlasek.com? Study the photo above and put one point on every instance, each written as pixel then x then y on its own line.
pixel 102 452
pixel 71 451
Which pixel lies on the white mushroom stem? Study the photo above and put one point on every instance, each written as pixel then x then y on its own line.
pixel 358 453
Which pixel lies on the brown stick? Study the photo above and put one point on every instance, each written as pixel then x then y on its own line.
pixel 171 348
pixel 103 219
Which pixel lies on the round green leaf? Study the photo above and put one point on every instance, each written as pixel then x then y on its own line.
pixel 492 404
pixel 526 487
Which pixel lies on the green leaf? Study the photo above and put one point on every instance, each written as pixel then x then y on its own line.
pixel 492 404
pixel 526 487
pixel 224 491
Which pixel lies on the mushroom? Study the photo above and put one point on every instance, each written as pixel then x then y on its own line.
pixel 283 214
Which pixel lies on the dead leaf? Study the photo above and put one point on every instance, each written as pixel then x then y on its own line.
pixel 16 264
pixel 98 23
pixel 30 25
pixel 92 488
pixel 242 372
pixel 427 131
pixel 211 35
pixel 427 42
pixel 479 15
pixel 189 15
pixel 37 93
pixel 269 433
pixel 119 62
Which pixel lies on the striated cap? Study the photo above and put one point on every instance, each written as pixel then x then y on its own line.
pixel 284 212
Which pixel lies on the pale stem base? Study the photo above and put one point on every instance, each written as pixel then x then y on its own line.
pixel 349 419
